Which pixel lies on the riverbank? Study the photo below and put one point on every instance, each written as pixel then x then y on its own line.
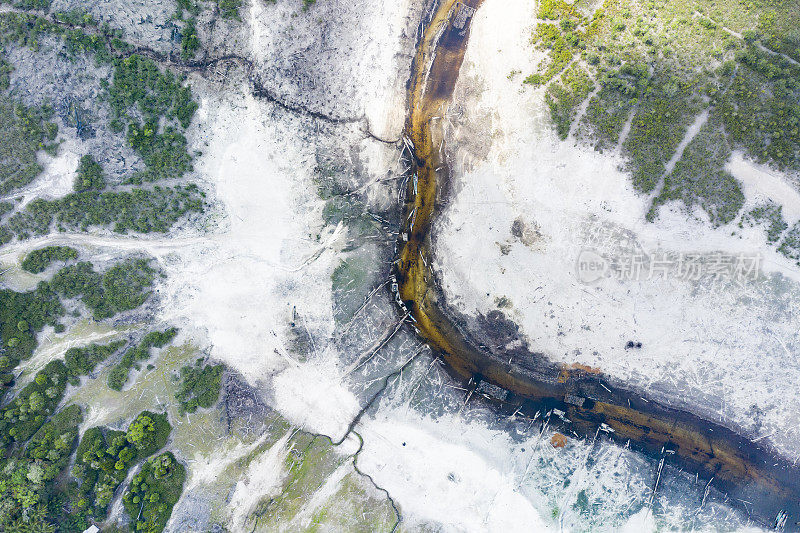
pixel 581 394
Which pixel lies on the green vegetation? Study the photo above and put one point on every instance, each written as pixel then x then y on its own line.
pixel 104 458
pixel 139 85
pixel 229 9
pixel 149 106
pixel 38 449
pixel 790 246
pixel 190 6
pixel 22 316
pixel 121 288
pixel 200 385
pixel 761 109
pixel 153 492
pixel 101 464
pixel 25 131
pixel 561 49
pixel 699 178
pixel 90 176
pixel 769 214
pixel 659 64
pixel 76 17
pixel 82 361
pixel 80 33
pixel 164 153
pixel 5 71
pixel 563 98
pixel 39 5
pixel 38 260
pixel 154 339
pixel 606 115
pixel 556 9
pixel 190 42
pixel 37 400
pixel 656 131
pixel 27 492
pixel 138 210
pixel 34 404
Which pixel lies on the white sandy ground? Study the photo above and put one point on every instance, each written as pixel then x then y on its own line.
pixel 761 182
pixel 726 350
pixel 58 176
pixel 428 466
pixel 455 471
pixel 234 291
pixel 58 173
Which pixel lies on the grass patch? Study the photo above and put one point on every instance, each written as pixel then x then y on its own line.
pixel 229 9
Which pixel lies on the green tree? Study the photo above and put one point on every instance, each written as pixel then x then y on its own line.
pixel 141 433
pixel 90 175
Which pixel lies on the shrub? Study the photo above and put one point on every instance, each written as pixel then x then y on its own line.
pixel 90 176
pixel 154 339
pixel 200 386
pixel 153 492
pixel 38 260
pixel 190 43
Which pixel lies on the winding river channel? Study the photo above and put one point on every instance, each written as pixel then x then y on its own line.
pixel 585 400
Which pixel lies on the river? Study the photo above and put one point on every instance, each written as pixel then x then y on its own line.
pixel 584 400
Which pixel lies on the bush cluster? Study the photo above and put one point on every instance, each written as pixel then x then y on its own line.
pixel 153 493
pixel 104 458
pixel 138 210
pixel 123 287
pixel 25 131
pixel 200 386
pixel 38 260
pixel 155 339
